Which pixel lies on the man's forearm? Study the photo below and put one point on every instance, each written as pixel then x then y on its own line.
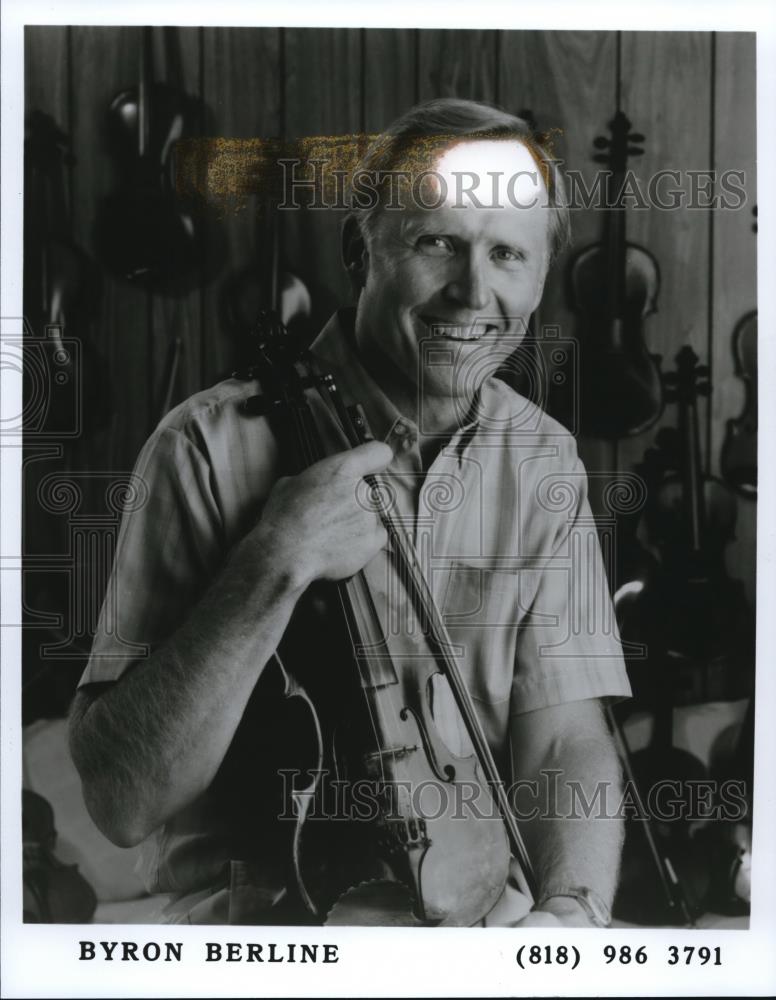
pixel 574 839
pixel 569 787
pixel 149 743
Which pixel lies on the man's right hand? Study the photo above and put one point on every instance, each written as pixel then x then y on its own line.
pixel 314 524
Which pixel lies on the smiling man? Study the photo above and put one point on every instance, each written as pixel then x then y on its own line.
pixel 170 726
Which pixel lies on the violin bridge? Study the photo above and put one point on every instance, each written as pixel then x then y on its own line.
pixel 400 834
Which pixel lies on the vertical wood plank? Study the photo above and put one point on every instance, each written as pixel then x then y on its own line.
pixel 458 63
pixel 176 318
pixel 242 90
pixel 46 91
pixel 567 79
pixel 45 71
pixel 666 92
pixel 734 272
pixel 105 61
pixel 389 75
pixel 312 236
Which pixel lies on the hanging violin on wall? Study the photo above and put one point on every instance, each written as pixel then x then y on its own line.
pixel 613 287
pixel 707 625
pixel 738 461
pixel 146 234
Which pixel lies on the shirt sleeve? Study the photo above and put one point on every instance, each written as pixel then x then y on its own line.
pixel 170 543
pixel 568 648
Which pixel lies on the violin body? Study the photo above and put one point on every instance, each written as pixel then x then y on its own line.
pixel 402 828
pixel 620 378
pixel 738 461
pixel 146 234
pixel 613 286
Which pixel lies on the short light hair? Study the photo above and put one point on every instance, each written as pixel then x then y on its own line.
pixel 426 130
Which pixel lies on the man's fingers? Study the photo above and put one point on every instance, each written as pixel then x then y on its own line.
pixel 374 456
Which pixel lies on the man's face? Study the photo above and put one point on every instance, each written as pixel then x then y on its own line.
pixel 462 278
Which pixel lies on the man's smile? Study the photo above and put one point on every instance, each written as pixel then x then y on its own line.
pixel 452 329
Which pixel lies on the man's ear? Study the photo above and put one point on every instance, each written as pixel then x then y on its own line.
pixel 355 255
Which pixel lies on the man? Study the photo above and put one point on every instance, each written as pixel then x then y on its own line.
pixel 209 572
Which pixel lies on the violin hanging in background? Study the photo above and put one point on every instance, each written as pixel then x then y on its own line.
pixel 738 461
pixel 146 234
pixel 613 286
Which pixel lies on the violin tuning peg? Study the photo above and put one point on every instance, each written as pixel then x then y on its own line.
pixel 601 158
pixel 601 142
pixel 636 137
pixel 635 151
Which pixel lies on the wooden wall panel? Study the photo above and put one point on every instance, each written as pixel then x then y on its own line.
pixel 46 71
pixel 666 93
pixel 734 266
pixel 457 64
pixel 694 110
pixel 567 80
pixel 45 92
pixel 243 90
pixel 390 80
pixel 176 318
pixel 311 236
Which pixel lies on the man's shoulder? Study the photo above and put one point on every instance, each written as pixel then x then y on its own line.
pixel 211 410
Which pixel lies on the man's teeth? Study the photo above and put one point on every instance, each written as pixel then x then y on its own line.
pixel 450 332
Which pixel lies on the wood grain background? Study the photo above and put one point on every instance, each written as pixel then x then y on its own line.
pixel 691 93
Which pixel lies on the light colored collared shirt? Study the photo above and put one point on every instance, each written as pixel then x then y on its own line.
pixel 500 523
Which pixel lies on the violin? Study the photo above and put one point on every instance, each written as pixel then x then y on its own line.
pixel 698 631
pixel 738 461
pixel 146 234
pixel 371 714
pixel 613 286
pixel 707 627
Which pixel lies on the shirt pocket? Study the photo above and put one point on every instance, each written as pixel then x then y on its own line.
pixel 481 608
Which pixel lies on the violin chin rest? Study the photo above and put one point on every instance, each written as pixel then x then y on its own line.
pixel 375 903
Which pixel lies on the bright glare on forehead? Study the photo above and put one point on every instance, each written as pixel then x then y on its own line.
pixel 499 173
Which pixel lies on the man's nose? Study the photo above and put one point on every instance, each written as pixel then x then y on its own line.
pixel 469 286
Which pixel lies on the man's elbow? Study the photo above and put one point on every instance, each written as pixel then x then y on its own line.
pixel 121 826
pixel 110 802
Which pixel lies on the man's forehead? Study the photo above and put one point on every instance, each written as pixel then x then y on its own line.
pixel 489 173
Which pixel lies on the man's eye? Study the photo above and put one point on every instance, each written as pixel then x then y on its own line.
pixel 435 246
pixel 507 255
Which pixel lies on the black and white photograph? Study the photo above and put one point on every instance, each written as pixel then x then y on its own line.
pixel 380 503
